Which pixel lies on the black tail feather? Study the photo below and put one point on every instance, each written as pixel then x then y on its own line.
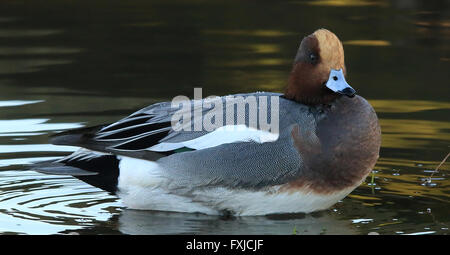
pixel 101 171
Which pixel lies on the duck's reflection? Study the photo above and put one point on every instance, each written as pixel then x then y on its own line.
pixel 135 222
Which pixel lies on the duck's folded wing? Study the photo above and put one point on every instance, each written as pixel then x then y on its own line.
pixel 150 130
pixel 235 156
pixel 248 165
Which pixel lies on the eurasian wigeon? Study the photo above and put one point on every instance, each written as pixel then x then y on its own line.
pixel 327 141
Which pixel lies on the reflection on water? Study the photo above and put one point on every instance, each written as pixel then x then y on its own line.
pixel 142 222
pixel 18 102
pixel 32 125
pixel 39 204
pixel 249 33
pixel 367 43
pixel 61 69
pixel 343 3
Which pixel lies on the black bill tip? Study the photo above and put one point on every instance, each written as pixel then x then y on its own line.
pixel 350 92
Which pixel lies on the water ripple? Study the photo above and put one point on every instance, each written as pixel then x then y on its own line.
pixel 8 103
pixel 28 199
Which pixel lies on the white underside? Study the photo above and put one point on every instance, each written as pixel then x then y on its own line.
pixel 142 185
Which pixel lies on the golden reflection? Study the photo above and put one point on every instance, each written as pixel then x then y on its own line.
pixel 415 189
pixel 264 48
pixel 367 43
pixel 361 197
pixel 259 32
pixel 346 3
pixel 403 177
pixel 403 133
pixel 371 204
pixel 443 24
pixel 259 48
pixel 389 223
pixel 270 80
pixel 407 106
pixel 389 163
pixel 252 62
pixel 271 86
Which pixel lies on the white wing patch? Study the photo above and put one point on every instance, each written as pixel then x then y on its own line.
pixel 223 135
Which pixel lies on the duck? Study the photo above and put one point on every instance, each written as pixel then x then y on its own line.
pixel 322 142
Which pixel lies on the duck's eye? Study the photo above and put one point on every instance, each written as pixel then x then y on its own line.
pixel 313 57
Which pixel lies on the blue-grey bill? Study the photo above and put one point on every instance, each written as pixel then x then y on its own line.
pixel 337 83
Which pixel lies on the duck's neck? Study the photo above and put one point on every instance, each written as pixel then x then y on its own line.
pixel 305 86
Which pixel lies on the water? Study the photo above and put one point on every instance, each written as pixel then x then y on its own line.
pixel 65 64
